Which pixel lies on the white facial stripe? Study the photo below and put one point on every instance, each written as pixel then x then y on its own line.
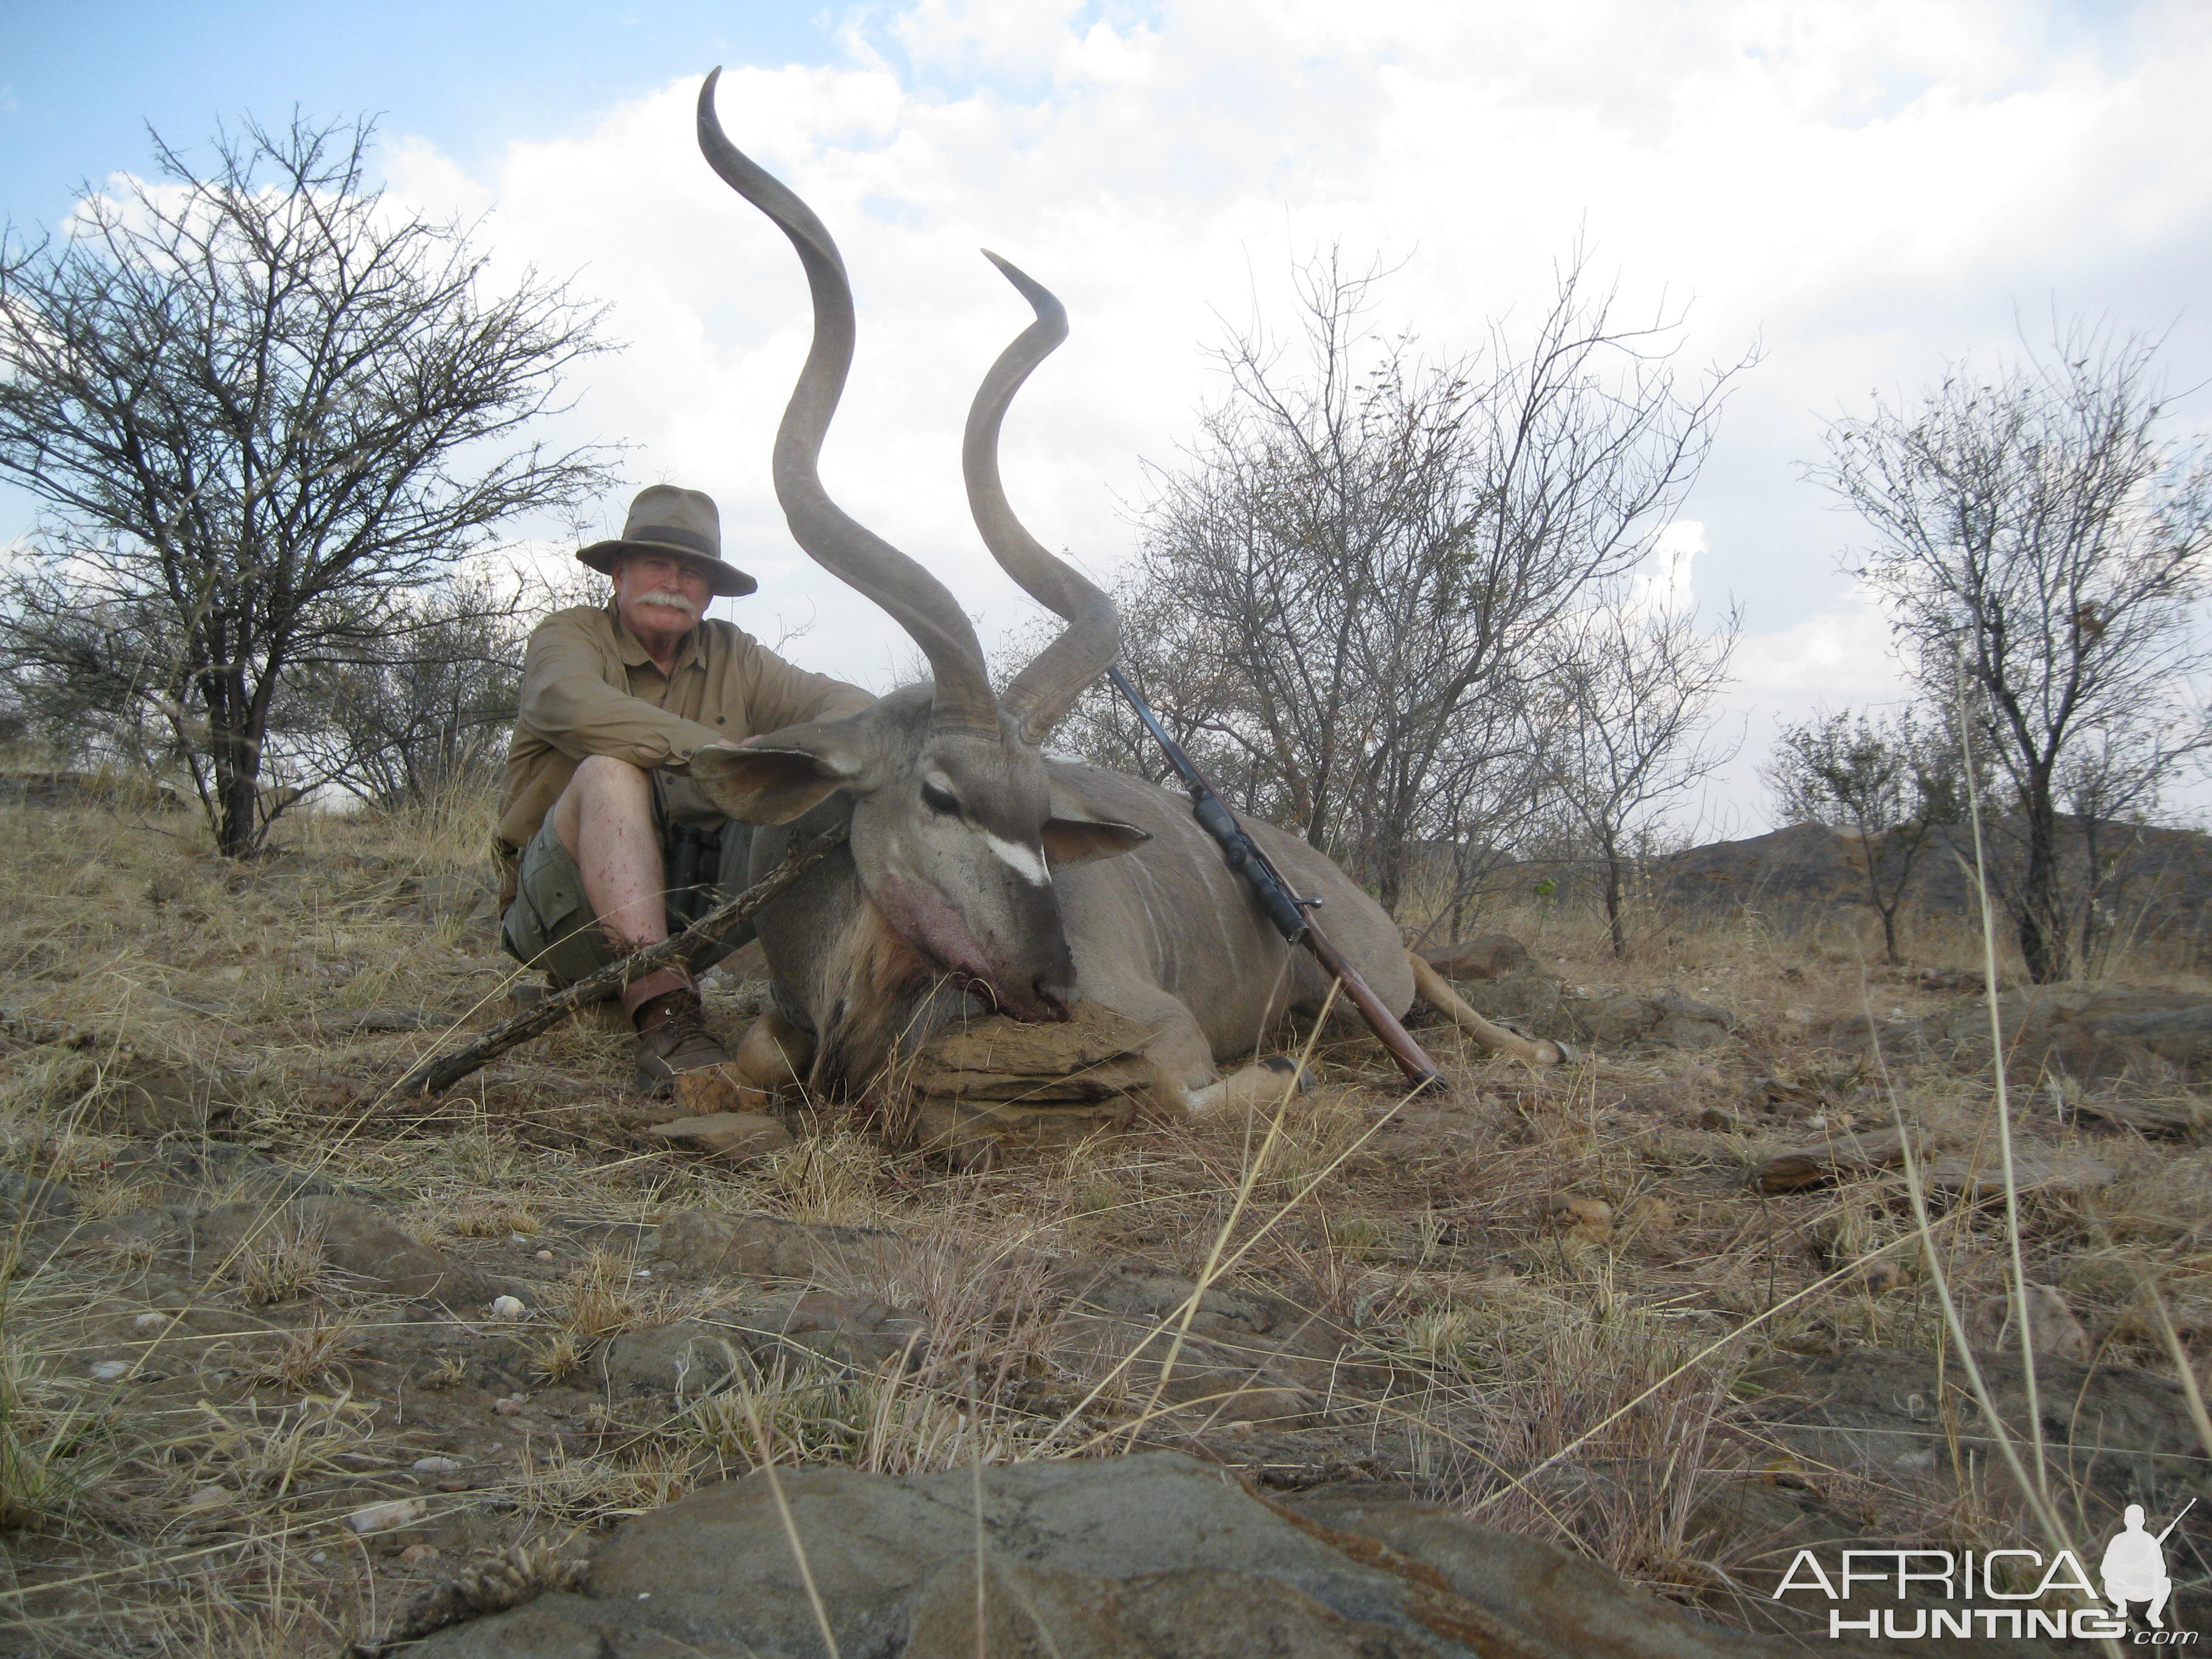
pixel 1028 864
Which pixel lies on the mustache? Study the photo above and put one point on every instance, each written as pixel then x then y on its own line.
pixel 670 597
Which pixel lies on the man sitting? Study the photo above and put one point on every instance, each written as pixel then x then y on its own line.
pixel 597 810
pixel 2134 1567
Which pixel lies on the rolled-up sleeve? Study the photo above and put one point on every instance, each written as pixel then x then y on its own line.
pixel 565 700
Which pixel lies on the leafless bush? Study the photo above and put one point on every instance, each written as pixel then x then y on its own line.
pixel 261 411
pixel 1344 591
pixel 2043 546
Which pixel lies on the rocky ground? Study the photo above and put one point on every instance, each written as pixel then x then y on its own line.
pixel 288 1362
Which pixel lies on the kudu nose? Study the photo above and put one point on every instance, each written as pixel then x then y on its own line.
pixel 1055 993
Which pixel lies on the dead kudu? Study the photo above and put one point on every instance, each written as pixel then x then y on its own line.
pixel 977 875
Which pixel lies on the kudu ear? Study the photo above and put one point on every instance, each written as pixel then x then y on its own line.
pixel 1071 841
pixel 797 769
pixel 1075 834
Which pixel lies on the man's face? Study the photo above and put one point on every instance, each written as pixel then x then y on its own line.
pixel 660 592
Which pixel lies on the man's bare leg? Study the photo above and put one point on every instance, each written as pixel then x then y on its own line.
pixel 605 819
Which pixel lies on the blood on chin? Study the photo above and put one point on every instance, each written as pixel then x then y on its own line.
pixel 930 926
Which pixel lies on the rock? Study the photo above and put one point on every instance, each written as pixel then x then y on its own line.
pixel 767 1247
pixel 2124 1434
pixel 1248 1356
pixel 382 1517
pixel 2033 1171
pixel 2105 1037
pixel 1622 1019
pixel 28 1199
pixel 1091 1035
pixel 356 1241
pixel 693 1357
pixel 2051 1327
pixel 209 1171
pixel 454 897
pixel 995 1084
pixel 688 1358
pixel 1587 1218
pixel 2158 1119
pixel 142 1096
pixel 717 1091
pixel 1530 996
pixel 372 1022
pixel 1841 1155
pixel 1558 1605
pixel 1490 956
pixel 1156 1553
pixel 1664 1019
pixel 729 1137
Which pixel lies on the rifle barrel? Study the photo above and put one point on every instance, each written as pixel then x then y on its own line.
pixel 1292 918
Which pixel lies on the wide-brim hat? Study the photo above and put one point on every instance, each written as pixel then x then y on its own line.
pixel 665 519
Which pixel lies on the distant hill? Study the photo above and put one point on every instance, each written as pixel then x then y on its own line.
pixel 2160 888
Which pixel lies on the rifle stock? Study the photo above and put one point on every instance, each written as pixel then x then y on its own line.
pixel 1290 915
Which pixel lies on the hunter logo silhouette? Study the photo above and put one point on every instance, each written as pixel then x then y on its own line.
pixel 2134 1567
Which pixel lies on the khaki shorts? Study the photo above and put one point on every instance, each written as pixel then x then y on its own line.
pixel 552 925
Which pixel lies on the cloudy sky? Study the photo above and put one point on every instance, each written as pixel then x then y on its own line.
pixel 1865 188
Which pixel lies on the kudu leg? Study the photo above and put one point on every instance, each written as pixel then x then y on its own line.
pixel 773 1056
pixel 1184 1057
pixel 1433 989
pixel 1260 1086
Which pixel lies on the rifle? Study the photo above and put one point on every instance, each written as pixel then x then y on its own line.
pixel 1292 916
pixel 2176 1522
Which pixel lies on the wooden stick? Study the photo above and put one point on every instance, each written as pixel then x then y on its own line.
pixel 436 1074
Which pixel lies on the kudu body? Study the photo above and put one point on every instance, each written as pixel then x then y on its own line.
pixel 978 874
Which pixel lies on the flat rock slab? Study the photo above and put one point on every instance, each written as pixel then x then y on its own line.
pixel 142 1095
pixel 1804 1168
pixel 1245 1356
pixel 997 1084
pixel 730 1137
pixel 1529 996
pixel 1155 1554
pixel 29 1198
pixel 695 1357
pixel 2099 1035
pixel 769 1247
pixel 2033 1171
pixel 2123 1434
pixel 1489 956
pixel 354 1240
pixel 374 1022
pixel 1091 1035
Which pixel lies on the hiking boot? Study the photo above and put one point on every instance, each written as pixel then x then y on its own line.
pixel 676 1041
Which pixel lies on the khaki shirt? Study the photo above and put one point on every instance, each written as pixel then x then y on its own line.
pixel 589 687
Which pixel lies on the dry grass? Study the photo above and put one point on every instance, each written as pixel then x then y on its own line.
pixel 1554 1304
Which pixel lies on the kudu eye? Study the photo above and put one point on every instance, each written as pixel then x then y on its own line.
pixel 938 800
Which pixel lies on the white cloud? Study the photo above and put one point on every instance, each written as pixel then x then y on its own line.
pixel 1663 583
pixel 1869 187
pixel 1843 656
